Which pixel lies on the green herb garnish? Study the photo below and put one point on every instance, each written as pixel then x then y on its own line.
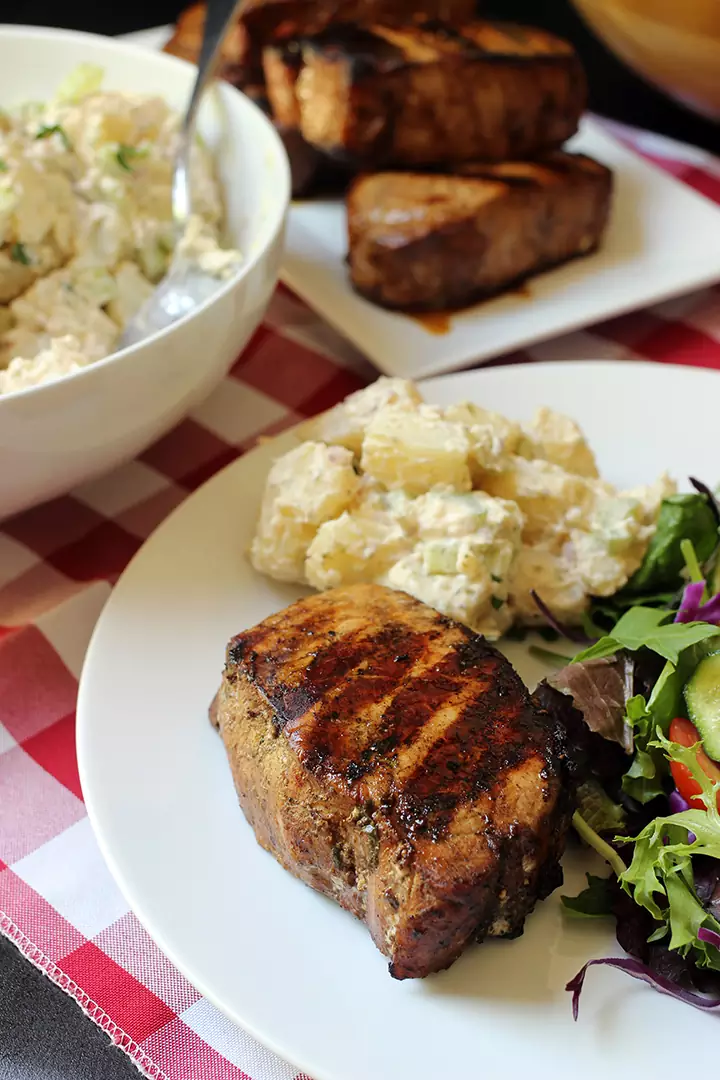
pixel 3 166
pixel 47 130
pixel 19 254
pixel 127 154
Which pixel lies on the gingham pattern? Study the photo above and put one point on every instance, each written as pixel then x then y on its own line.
pixel 58 902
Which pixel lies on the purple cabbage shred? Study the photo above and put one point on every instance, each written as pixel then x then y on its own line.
pixel 676 802
pixel 692 608
pixel 710 936
pixel 572 633
pixel 638 970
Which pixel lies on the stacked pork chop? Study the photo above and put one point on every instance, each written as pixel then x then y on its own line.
pixel 450 131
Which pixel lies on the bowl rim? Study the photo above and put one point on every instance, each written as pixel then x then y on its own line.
pixel 279 213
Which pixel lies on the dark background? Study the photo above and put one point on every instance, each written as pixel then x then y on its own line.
pixel 614 90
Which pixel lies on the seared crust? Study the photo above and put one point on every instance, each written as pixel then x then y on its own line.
pixel 429 95
pixel 428 241
pixel 239 63
pixel 392 759
pixel 278 19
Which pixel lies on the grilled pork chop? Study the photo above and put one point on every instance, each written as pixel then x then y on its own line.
pixel 392 759
pixel 430 94
pixel 427 241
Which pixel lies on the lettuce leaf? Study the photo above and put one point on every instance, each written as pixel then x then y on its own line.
pixel 660 877
pixel 644 627
pixel 682 517
pixel 598 809
pixel 594 902
pixel 601 689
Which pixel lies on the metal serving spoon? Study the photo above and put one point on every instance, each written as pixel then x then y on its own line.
pixel 185 286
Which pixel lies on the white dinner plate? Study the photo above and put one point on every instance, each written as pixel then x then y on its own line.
pixel 663 240
pixel 284 962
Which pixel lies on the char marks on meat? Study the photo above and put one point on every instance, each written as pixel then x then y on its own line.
pixel 393 760
pixel 430 94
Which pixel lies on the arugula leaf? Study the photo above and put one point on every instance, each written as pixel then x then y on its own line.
pixel 593 902
pixel 681 517
pixel 46 130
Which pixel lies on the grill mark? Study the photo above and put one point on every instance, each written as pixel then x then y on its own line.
pixel 332 665
pixel 492 735
pixel 487 728
pixel 366 53
pixel 280 637
pixel 334 732
pixel 338 748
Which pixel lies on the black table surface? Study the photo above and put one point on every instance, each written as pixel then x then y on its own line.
pixel 43 1035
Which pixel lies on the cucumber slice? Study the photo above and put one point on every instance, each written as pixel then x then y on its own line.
pixel 702 697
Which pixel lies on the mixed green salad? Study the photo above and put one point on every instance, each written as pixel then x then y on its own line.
pixel 639 707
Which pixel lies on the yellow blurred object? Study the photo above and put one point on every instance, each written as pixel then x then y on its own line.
pixel 672 43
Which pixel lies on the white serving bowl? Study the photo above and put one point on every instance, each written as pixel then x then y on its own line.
pixel 56 436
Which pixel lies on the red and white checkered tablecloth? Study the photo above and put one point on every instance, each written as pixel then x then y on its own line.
pixel 58 564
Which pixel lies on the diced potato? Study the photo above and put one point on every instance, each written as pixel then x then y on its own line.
pixel 346 423
pixel 455 595
pixel 600 571
pixel 354 548
pixel 492 437
pixel 554 577
pixel 552 500
pixel 470 556
pixel 306 487
pixel 556 438
pixel 448 513
pixel 650 497
pixel 280 552
pixel 416 451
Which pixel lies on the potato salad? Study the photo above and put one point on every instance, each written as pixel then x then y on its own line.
pixel 85 223
pixel 458 506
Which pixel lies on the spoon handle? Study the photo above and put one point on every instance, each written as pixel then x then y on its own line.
pixel 219 17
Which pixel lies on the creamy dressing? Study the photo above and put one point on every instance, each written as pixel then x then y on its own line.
pixel 380 492
pixel 86 227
